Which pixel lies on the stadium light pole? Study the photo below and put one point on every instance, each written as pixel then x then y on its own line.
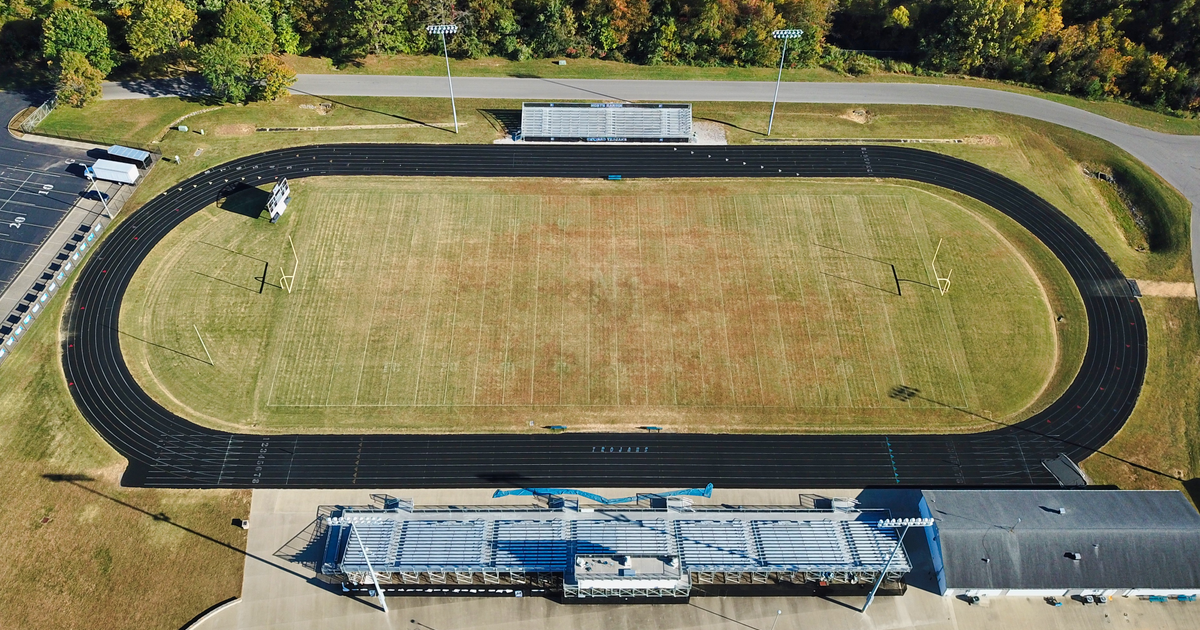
pixel 785 35
pixel 371 569
pixel 442 29
pixel 893 523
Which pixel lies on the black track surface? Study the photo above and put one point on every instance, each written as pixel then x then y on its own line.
pixel 166 450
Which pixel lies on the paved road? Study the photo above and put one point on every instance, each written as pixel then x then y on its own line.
pixel 166 450
pixel 1176 158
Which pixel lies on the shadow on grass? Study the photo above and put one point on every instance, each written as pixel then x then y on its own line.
pixel 78 481
pixel 729 124
pixel 182 354
pixel 243 199
pixel 373 111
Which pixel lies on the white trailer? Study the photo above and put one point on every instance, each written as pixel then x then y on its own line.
pixel 109 170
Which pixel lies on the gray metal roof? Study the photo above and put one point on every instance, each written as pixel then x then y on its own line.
pixel 127 152
pixel 547 540
pixel 1126 538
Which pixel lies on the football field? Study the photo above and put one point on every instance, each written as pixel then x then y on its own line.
pixel 487 305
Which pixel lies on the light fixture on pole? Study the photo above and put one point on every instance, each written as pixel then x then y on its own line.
pixel 894 523
pixel 785 35
pixel 442 29
pixel 91 177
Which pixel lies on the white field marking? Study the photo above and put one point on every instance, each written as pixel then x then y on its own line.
pixel 537 279
pixel 833 315
pixel 616 284
pixel 379 268
pixel 332 370
pixel 339 266
pixel 641 301
pixel 570 406
pixel 922 330
pixel 737 217
pixel 487 265
pixel 432 278
pixel 412 215
pixel 515 223
pixel 940 309
pixel 854 295
pixel 670 304
pixel 587 361
pixel 462 249
pixel 716 227
pixel 793 240
pixel 893 220
pixel 562 304
pixel 760 236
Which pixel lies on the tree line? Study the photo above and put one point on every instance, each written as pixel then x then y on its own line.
pixel 1142 50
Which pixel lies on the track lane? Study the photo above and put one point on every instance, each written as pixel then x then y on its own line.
pixel 165 450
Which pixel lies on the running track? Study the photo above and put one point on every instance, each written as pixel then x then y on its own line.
pixel 165 450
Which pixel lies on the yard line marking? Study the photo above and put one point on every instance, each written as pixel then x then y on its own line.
pixel 674 367
pixel 537 278
pixel 514 223
pixel 487 265
pixel 761 234
pixel 587 362
pixel 855 298
pixel 613 315
pixel 374 303
pixel 432 275
pixel 641 300
pixel 893 220
pixel 793 240
pixel 716 240
pixel 560 366
pixel 412 215
pixel 833 315
pixel 737 217
pixel 458 281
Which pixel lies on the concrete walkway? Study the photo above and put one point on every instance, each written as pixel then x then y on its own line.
pixel 1175 158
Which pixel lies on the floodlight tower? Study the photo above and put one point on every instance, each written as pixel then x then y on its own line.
pixel 894 523
pixel 785 35
pixel 442 29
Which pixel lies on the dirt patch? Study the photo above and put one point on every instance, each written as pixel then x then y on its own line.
pixel 860 116
pixel 1154 288
pixel 987 141
pixel 239 129
pixel 709 132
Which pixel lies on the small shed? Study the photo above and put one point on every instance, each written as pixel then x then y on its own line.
pixel 133 156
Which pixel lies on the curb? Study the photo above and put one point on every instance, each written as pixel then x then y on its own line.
pixel 212 611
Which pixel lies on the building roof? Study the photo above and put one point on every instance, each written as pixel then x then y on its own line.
pixel 632 121
pixel 1019 539
pixel 533 539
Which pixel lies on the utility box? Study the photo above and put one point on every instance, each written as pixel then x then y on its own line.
pixel 109 170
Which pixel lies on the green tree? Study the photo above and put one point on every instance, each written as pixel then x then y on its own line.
pixel 270 78
pixel 224 65
pixel 160 27
pixel 379 27
pixel 242 25
pixel 71 28
pixel 78 82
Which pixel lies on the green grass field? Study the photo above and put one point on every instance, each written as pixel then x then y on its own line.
pixel 450 305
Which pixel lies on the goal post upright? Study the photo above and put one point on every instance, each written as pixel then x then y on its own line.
pixel 289 280
pixel 943 284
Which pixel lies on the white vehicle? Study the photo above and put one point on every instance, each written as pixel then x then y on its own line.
pixel 109 170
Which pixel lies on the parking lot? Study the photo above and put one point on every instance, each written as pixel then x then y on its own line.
pixel 39 183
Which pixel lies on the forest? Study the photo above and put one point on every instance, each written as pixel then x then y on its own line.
pixel 1145 51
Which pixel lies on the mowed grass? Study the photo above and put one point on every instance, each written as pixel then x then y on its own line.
pixel 485 305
